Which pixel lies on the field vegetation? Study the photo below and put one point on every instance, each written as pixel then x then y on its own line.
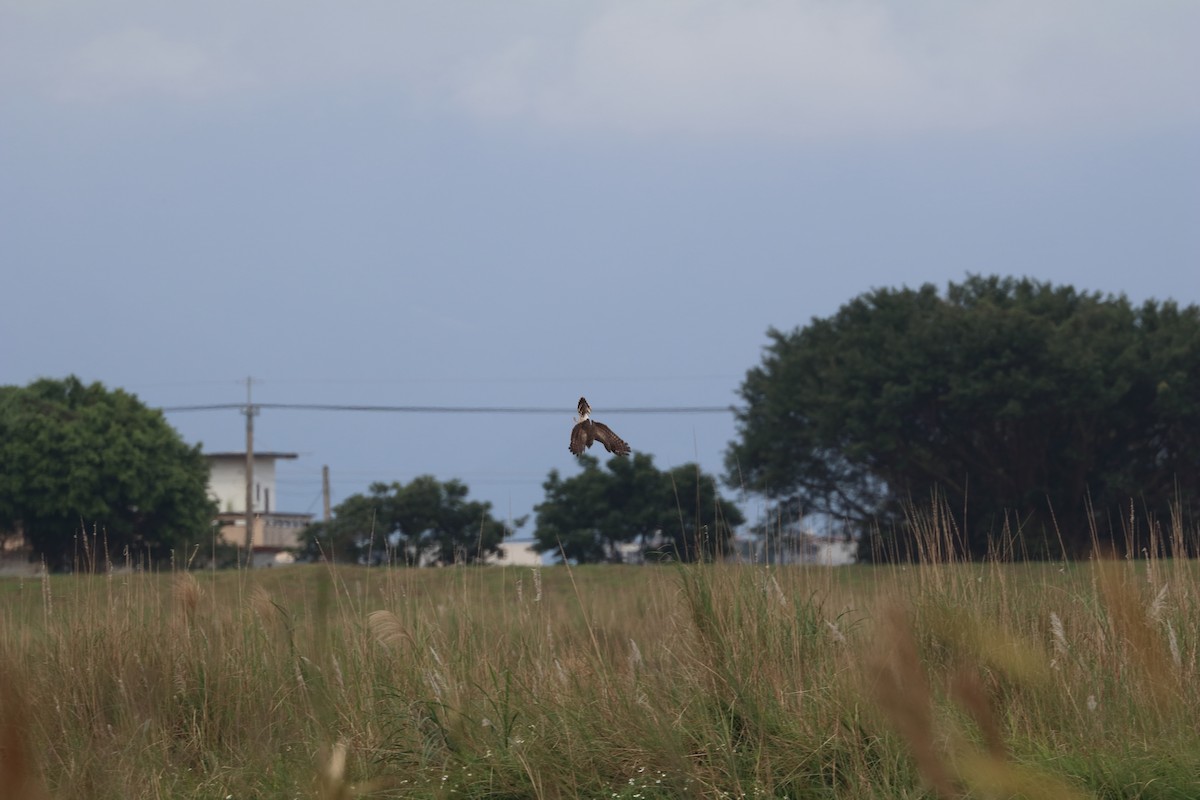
pixel 942 679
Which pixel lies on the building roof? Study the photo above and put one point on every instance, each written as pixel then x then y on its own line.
pixel 257 454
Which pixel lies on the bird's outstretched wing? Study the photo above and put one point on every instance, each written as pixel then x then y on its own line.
pixel 579 437
pixel 605 436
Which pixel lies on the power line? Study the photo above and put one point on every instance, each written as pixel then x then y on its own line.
pixel 450 409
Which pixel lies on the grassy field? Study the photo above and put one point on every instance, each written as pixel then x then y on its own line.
pixel 968 680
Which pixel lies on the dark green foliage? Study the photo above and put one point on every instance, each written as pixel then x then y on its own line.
pixel 678 512
pixel 425 521
pixel 1031 410
pixel 78 459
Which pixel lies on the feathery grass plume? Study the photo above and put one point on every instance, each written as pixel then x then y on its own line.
pixel 988 776
pixel 19 779
pixel 968 633
pixel 331 780
pixel 187 594
pixel 1138 642
pixel 338 677
pixel 387 628
pixel 1174 645
pixel 261 604
pixel 331 774
pixel 1160 602
pixel 968 691
pixel 779 595
pixel 1060 640
pixel 902 691
pixel 635 656
pixel 47 595
pixel 1060 636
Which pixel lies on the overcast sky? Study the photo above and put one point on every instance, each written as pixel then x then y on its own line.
pixel 518 203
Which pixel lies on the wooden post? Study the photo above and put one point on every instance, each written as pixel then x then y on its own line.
pixel 325 490
pixel 250 412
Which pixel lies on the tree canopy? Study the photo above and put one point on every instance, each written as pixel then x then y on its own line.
pixel 1026 407
pixel 77 458
pixel 677 512
pixel 422 522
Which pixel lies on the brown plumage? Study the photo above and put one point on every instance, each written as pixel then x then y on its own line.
pixel 587 430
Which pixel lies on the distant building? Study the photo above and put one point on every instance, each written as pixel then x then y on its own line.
pixel 276 533
pixel 806 548
pixel 520 553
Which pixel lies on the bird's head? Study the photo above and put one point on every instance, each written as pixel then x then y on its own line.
pixel 585 411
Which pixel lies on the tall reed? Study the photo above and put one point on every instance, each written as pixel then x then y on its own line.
pixel 927 679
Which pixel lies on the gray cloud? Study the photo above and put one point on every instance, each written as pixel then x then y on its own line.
pixel 817 70
pixel 140 63
pixel 706 68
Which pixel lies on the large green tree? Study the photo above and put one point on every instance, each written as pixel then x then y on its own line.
pixel 423 522
pixel 78 459
pixel 679 512
pixel 1027 408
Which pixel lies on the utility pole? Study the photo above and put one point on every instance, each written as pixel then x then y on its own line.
pixel 325 490
pixel 249 411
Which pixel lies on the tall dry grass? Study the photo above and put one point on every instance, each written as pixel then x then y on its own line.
pixel 942 679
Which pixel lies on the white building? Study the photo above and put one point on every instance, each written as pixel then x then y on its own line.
pixel 276 533
pixel 519 553
pixel 806 548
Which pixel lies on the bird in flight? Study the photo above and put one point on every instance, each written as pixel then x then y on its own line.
pixel 587 430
